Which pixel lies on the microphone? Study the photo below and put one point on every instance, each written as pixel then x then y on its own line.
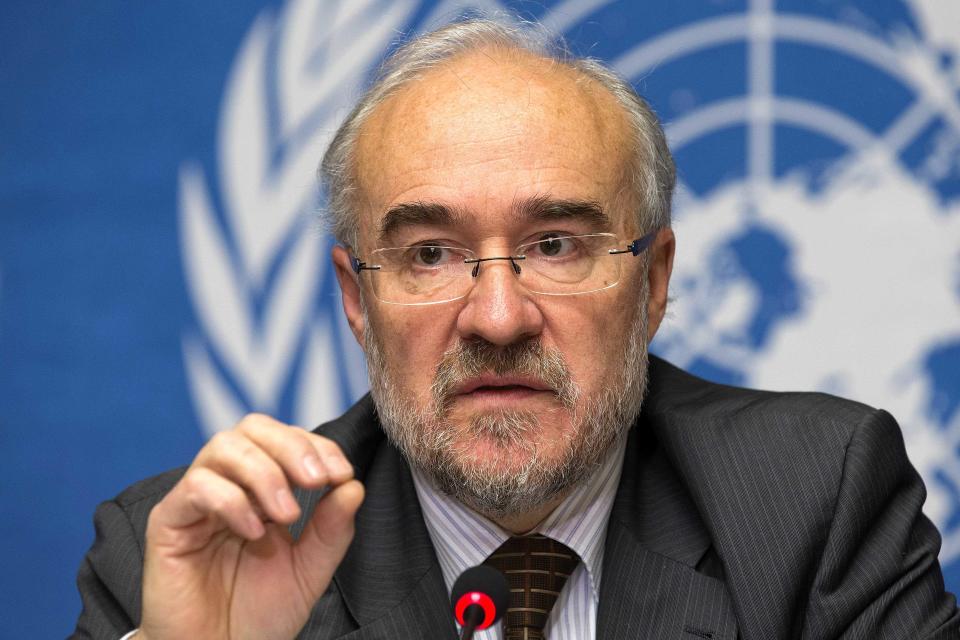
pixel 479 598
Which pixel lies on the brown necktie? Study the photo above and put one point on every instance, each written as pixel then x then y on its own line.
pixel 536 568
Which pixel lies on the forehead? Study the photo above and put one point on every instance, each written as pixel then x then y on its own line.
pixel 487 130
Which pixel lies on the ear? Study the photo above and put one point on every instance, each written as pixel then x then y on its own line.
pixel 658 276
pixel 350 291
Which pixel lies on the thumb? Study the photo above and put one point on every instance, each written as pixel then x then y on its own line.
pixel 327 536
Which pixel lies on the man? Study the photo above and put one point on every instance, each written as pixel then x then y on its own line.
pixel 504 216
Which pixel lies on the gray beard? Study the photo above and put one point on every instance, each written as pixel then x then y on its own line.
pixel 492 486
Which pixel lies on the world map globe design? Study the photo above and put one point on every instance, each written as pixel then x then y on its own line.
pixel 818 211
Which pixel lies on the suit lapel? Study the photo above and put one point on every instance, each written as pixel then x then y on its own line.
pixel 389 581
pixel 650 587
pixel 750 478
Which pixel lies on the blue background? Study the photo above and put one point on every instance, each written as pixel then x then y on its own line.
pixel 100 104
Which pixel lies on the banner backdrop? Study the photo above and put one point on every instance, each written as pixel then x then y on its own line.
pixel 162 271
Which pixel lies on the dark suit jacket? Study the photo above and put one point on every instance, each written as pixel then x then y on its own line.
pixel 739 514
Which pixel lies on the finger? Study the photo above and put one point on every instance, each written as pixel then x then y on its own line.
pixel 202 494
pixel 290 447
pixel 337 464
pixel 238 459
pixel 299 452
pixel 327 536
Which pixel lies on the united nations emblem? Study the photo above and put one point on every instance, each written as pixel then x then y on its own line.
pixel 818 214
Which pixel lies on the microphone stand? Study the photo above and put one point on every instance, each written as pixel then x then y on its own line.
pixel 472 616
pixel 479 597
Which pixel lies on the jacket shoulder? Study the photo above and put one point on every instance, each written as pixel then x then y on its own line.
pixel 762 451
pixel 725 411
pixel 794 488
pixel 150 490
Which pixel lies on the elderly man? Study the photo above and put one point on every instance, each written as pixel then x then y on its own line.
pixel 505 221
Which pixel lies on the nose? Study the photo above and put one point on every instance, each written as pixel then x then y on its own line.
pixel 498 308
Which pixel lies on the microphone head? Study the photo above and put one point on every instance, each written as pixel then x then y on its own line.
pixel 482 586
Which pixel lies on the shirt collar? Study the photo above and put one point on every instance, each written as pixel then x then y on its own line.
pixel 463 538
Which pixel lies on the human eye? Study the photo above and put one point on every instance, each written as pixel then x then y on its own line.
pixel 432 255
pixel 554 245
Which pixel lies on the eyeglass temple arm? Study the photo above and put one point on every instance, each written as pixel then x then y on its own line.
pixel 358 265
pixel 638 246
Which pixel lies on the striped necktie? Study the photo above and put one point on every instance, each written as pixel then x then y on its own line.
pixel 536 568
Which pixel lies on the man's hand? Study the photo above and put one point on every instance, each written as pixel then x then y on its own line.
pixel 220 563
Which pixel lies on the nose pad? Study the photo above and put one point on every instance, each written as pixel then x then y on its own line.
pixel 498 309
pixel 513 263
pixel 509 279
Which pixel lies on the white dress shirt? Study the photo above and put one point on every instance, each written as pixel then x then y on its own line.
pixel 462 539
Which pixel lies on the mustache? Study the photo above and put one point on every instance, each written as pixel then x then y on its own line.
pixel 470 359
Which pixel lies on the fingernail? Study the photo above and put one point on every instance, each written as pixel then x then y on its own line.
pixel 286 501
pixel 312 465
pixel 338 466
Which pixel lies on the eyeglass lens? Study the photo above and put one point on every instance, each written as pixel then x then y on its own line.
pixel 552 265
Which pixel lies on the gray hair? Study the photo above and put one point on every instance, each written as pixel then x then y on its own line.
pixel 650 176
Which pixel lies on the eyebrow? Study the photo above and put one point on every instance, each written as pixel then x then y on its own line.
pixel 409 214
pixel 546 209
pixel 535 209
